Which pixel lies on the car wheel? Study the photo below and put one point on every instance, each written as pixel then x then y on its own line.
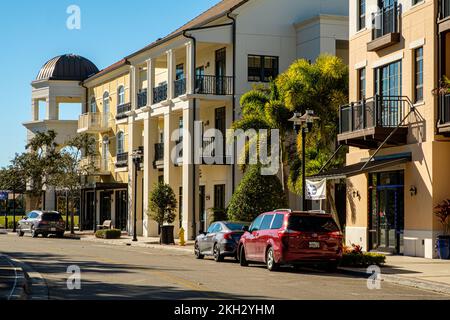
pixel 217 256
pixel 242 259
pixel 20 233
pixel 270 260
pixel 60 235
pixel 34 234
pixel 198 255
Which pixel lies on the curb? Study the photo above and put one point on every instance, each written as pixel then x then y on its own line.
pixel 21 289
pixel 414 283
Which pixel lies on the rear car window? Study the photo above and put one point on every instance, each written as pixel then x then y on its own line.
pixel 312 224
pixel 278 222
pixel 51 217
pixel 267 221
pixel 234 226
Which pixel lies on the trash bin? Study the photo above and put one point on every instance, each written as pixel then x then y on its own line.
pixel 443 248
pixel 167 236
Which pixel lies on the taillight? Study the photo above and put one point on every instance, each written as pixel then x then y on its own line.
pixel 43 223
pixel 228 236
pixel 336 234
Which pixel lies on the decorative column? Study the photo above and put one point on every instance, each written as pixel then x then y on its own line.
pixel 52 109
pixel 35 109
pixel 133 86
pixel 150 80
pixel 190 67
pixel 171 71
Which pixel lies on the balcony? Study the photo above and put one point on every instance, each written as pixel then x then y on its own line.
pixel 214 85
pixel 94 123
pixel 122 160
pixel 122 111
pixel 160 93
pixel 180 87
pixel 368 123
pixel 158 163
pixel 142 98
pixel 98 165
pixel 444 115
pixel 444 9
pixel 386 30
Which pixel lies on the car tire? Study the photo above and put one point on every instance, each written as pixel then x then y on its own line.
pixel 197 253
pixel 216 253
pixel 34 234
pixel 270 260
pixel 20 233
pixel 60 235
pixel 242 259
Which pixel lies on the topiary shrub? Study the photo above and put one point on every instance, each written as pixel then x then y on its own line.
pixel 256 194
pixel 108 234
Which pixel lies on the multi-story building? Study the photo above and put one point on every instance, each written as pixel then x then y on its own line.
pixel 396 126
pixel 193 78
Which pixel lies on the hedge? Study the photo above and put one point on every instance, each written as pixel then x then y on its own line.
pixel 362 259
pixel 108 234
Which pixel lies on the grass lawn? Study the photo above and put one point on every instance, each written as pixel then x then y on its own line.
pixel 18 218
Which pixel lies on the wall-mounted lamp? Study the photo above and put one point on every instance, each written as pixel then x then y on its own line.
pixel 356 194
pixel 413 191
pixel 208 197
pixel 207 65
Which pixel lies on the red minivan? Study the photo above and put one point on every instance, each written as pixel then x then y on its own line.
pixel 284 237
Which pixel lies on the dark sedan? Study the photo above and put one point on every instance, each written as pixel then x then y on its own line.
pixel 42 222
pixel 220 241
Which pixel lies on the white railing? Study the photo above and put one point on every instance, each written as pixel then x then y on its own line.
pixel 96 164
pixel 94 122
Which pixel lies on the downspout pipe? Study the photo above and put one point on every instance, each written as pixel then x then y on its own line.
pixel 194 223
pixel 233 19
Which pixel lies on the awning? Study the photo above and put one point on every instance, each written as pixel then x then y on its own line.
pixel 378 163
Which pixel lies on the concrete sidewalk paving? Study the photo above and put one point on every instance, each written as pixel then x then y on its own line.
pixel 421 273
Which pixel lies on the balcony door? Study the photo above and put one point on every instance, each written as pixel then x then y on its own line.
pixel 220 125
pixel 221 70
pixel 388 86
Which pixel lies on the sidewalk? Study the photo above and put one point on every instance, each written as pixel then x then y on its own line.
pixel 421 273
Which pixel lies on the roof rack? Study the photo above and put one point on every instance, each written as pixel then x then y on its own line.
pixel 317 211
pixel 287 210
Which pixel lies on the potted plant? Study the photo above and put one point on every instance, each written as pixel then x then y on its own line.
pixel 162 207
pixel 442 212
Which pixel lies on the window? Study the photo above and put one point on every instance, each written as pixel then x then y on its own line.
pixel 262 68
pixel 362 14
pixel 179 72
pixel 106 102
pixel 121 96
pixel 414 2
pixel 211 228
pixel 362 83
pixel 219 196
pixel 418 80
pixel 256 224
pixel 200 72
pixel 120 143
pixel 93 107
pixel 278 222
pixel 266 222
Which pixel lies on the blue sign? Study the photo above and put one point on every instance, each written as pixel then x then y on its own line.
pixel 3 196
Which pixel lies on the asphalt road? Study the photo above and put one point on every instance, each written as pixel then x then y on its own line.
pixel 113 272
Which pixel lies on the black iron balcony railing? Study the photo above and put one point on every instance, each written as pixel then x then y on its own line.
pixel 122 160
pixel 214 150
pixel 215 85
pixel 385 21
pixel 445 9
pixel 378 111
pixel 122 110
pixel 160 93
pixel 444 109
pixel 159 152
pixel 180 87
pixel 142 98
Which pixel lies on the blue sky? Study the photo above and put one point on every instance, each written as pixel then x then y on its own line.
pixel 33 32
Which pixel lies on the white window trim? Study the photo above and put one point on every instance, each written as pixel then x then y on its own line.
pixel 361 65
pixel 417 43
pixel 388 60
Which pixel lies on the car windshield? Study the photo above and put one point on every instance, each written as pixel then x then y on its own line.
pixel 51 216
pixel 234 226
pixel 312 224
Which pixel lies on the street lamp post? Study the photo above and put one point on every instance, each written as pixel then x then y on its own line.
pixel 138 157
pixel 303 123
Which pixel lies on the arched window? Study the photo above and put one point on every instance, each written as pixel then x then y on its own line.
pixel 106 102
pixel 120 96
pixel 93 106
pixel 120 143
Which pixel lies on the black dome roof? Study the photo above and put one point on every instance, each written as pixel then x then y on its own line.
pixel 67 67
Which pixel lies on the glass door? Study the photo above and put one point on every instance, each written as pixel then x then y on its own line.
pixel 221 66
pixel 388 86
pixel 202 209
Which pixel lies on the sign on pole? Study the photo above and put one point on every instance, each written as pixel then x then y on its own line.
pixel 316 190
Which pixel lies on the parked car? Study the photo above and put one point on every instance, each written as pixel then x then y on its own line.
pixel 42 222
pixel 284 237
pixel 220 241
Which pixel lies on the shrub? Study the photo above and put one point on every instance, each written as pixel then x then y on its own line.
pixel 108 234
pixel 162 204
pixel 362 259
pixel 256 194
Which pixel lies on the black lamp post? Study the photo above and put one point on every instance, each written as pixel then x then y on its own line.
pixel 138 158
pixel 303 123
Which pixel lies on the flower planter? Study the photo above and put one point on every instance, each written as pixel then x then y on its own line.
pixel 443 247
pixel 167 236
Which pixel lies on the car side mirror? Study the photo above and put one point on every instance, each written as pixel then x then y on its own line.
pixel 245 229
pixel 204 233
pixel 26 218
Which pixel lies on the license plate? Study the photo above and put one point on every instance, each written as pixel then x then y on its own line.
pixel 53 229
pixel 314 245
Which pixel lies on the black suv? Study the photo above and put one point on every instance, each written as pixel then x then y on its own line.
pixel 42 222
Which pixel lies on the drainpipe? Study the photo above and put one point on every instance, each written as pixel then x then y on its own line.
pixel 194 222
pixel 233 178
pixel 439 66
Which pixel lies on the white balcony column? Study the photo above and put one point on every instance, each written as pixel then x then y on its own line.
pixel 134 74
pixel 150 80
pixel 150 173
pixel 52 112
pixel 171 71
pixel 190 176
pixel 35 109
pixel 170 125
pixel 190 67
